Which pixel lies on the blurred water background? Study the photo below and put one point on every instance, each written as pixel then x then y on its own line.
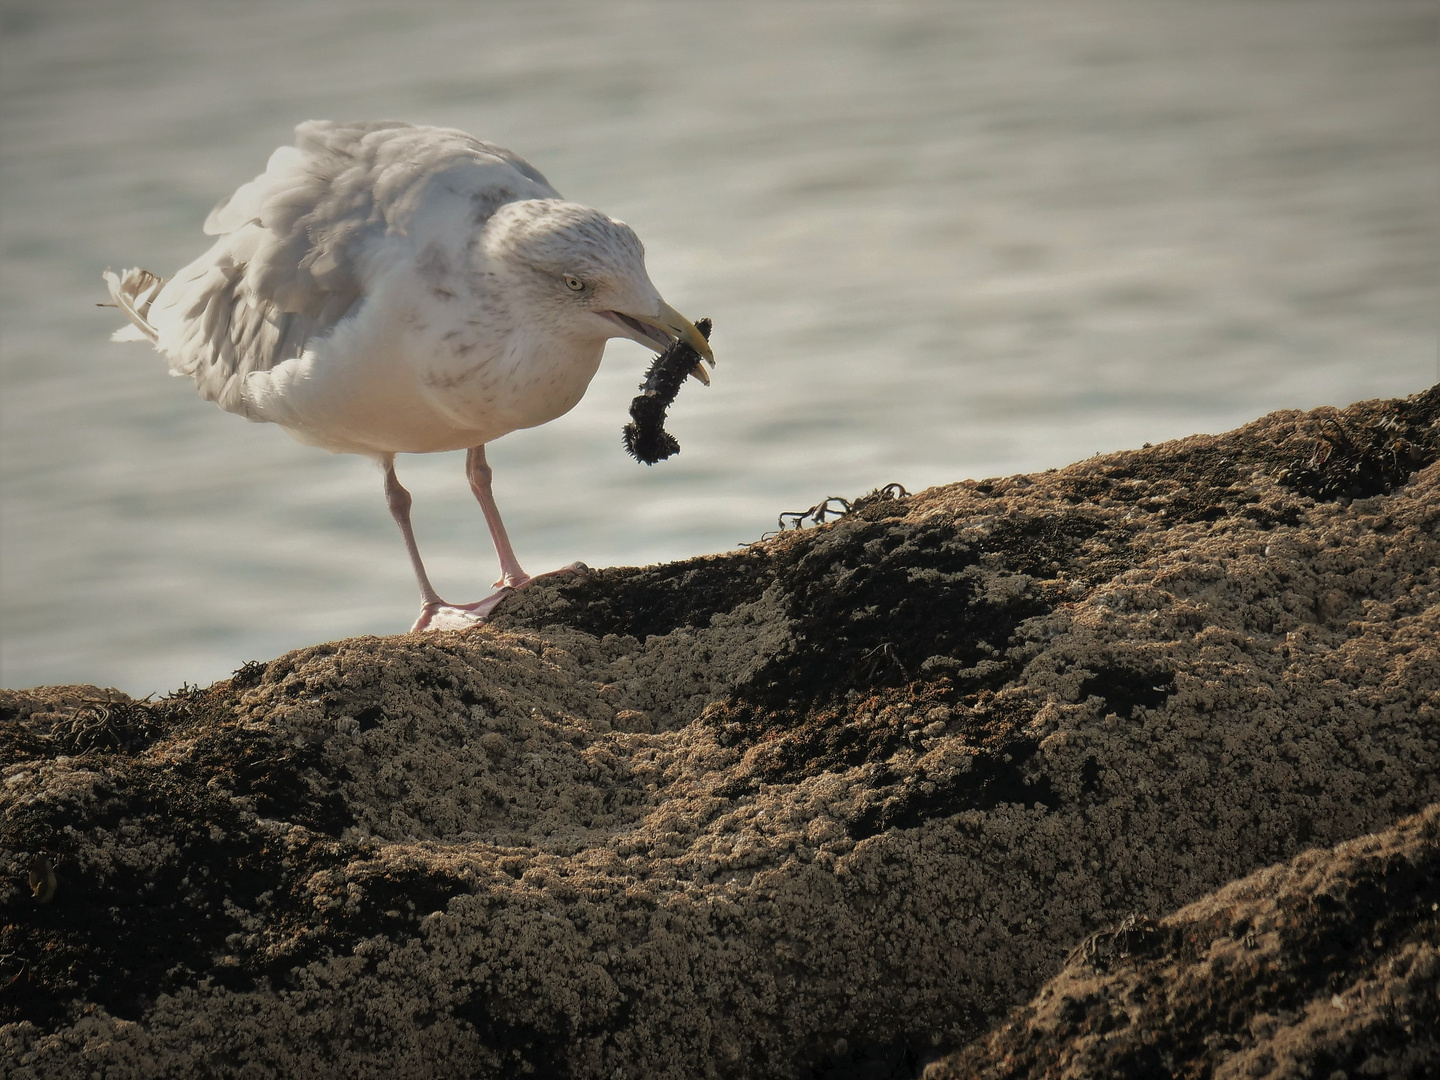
pixel 939 240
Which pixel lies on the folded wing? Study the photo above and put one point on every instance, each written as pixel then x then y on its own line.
pixel 298 246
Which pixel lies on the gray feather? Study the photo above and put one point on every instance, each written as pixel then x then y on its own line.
pixel 289 262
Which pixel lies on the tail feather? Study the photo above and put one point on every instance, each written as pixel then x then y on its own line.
pixel 133 293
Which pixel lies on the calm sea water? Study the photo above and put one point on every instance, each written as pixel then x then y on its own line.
pixel 938 240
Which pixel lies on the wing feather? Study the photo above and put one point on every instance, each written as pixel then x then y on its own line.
pixel 296 246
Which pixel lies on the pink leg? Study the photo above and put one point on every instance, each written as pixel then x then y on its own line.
pixel 478 472
pixel 398 499
pixel 435 613
pixel 512 577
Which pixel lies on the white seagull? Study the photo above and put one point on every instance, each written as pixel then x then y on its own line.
pixel 383 288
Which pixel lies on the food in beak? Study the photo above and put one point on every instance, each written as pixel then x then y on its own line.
pixel 646 439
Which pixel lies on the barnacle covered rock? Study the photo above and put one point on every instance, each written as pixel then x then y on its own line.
pixel 836 802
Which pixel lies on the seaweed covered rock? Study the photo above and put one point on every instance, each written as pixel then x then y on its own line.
pixel 1328 965
pixel 829 805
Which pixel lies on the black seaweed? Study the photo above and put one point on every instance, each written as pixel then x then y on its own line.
pixel 645 436
pixel 1362 460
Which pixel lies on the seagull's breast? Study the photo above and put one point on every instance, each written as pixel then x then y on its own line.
pixel 403 376
pixel 516 380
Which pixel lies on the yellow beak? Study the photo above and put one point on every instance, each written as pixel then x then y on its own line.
pixel 671 323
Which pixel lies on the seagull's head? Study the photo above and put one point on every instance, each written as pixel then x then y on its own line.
pixel 584 273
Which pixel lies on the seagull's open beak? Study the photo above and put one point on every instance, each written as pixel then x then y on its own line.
pixel 671 325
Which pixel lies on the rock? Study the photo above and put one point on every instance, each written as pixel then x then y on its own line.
pixel 1326 966
pixel 830 805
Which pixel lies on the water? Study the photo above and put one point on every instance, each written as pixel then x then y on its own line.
pixel 938 239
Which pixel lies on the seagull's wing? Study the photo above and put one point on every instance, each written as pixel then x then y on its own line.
pixel 296 245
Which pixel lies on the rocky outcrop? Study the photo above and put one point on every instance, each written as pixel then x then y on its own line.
pixel 1326 966
pixel 831 805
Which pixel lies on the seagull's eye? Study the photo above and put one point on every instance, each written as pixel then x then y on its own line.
pixel 574 284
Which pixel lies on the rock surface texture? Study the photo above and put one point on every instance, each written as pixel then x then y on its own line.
pixel 1328 966
pixel 834 805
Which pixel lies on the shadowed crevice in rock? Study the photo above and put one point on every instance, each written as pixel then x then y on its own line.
pixel 652 601
pixel 838 801
pixel 871 606
pixel 1123 689
pixel 152 922
pixel 993 778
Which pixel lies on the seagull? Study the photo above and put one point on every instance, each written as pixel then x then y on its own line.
pixel 384 288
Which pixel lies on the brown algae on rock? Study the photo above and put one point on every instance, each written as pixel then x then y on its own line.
pixel 863 784
pixel 1328 964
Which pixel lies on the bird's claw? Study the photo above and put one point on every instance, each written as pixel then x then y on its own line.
pixel 442 616
pixel 438 615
